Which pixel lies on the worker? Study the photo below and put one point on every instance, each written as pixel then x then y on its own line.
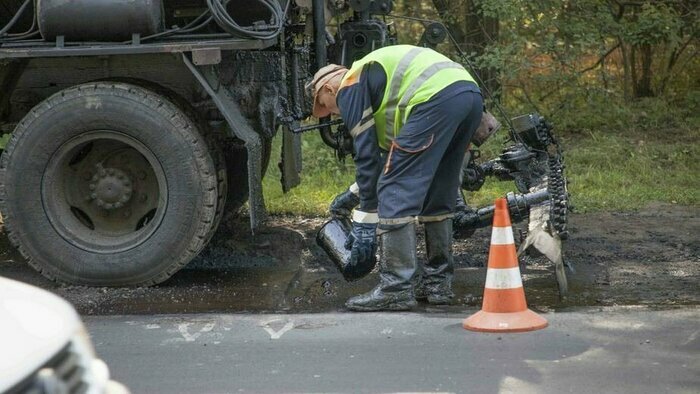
pixel 411 113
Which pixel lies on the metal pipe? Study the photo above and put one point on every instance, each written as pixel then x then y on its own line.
pixel 518 205
pixel 297 97
pixel 321 55
pixel 319 20
pixel 316 126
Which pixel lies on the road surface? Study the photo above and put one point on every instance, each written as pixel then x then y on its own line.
pixel 593 350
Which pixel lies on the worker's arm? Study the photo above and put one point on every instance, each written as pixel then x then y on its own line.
pixel 355 104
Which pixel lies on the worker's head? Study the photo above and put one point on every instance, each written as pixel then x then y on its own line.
pixel 323 88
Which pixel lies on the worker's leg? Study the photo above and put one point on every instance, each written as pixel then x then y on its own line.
pixel 411 166
pixel 431 144
pixel 440 197
pixel 439 206
pixel 397 264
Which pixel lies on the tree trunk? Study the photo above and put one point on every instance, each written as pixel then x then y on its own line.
pixel 480 32
pixel 633 70
pixel 644 88
pixel 444 9
pixel 626 82
pixel 473 36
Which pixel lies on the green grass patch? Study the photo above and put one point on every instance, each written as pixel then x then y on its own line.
pixel 323 177
pixel 619 156
pixel 612 172
pixel 623 159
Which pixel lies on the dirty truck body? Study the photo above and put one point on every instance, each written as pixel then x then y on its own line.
pixel 134 127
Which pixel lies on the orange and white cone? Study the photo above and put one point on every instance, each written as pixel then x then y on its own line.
pixel 504 308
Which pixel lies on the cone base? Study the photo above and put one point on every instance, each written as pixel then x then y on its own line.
pixel 526 320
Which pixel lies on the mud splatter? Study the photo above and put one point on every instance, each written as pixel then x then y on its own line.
pixel 650 257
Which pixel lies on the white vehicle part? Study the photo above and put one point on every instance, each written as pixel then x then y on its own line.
pixel 41 335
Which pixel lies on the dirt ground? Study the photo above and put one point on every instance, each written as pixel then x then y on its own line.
pixel 650 258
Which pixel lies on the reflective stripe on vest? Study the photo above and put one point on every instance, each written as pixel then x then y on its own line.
pixel 419 81
pixel 395 88
pixel 408 70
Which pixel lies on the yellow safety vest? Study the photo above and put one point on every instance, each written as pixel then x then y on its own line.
pixel 414 75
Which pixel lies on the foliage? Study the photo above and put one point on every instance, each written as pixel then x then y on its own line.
pixel 619 79
pixel 641 152
pixel 323 177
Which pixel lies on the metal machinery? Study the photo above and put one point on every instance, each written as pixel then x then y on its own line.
pixel 534 162
pixel 136 126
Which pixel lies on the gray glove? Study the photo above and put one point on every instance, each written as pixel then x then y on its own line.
pixel 465 222
pixel 343 204
pixel 362 243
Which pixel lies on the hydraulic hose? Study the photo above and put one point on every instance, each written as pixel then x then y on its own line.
pixel 221 16
pixel 15 18
pixel 518 205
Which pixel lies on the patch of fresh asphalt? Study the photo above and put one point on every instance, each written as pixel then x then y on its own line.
pixel 594 350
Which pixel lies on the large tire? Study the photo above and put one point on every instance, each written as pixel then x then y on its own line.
pixel 211 136
pixel 108 184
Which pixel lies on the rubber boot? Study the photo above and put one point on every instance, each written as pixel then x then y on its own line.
pixel 397 265
pixel 436 284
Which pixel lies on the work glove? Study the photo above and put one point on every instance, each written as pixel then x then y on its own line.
pixel 465 222
pixel 362 240
pixel 343 204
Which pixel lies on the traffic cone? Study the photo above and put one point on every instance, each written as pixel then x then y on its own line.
pixel 504 308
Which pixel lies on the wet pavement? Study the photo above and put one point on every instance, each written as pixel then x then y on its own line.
pixel 650 257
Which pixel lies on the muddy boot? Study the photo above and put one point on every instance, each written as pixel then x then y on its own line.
pixel 439 269
pixel 397 265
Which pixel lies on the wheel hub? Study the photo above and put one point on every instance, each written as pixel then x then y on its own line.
pixel 103 191
pixel 110 188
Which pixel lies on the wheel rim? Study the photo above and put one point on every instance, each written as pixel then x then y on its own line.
pixel 104 192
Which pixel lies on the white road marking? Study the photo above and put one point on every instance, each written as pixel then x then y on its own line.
pixel 277 334
pixel 691 338
pixel 184 331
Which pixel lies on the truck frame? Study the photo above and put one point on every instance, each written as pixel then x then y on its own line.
pixel 129 142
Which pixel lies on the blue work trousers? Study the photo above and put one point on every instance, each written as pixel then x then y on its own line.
pixel 424 162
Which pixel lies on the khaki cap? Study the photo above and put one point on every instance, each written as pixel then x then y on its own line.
pixel 321 78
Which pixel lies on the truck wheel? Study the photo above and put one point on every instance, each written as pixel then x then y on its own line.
pixel 108 184
pixel 211 137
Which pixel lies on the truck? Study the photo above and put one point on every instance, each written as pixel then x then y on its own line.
pixel 134 127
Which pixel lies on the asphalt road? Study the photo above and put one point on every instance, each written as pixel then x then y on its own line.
pixel 600 350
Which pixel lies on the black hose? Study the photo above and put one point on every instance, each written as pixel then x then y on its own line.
pixel 221 16
pixel 15 18
pixel 31 31
pixel 216 12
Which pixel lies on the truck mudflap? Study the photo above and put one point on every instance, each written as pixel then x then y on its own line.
pixel 207 77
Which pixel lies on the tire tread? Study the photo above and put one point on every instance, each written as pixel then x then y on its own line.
pixel 187 129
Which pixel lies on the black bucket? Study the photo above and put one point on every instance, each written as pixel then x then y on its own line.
pixel 331 238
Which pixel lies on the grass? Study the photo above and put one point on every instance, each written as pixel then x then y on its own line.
pixel 323 177
pixel 619 157
pixel 619 160
pixel 609 172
